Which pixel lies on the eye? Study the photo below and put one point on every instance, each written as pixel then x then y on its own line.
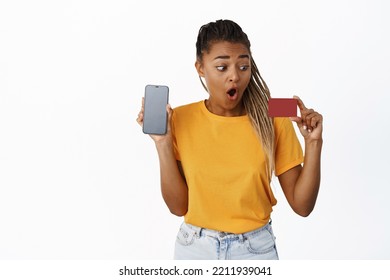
pixel 244 67
pixel 221 68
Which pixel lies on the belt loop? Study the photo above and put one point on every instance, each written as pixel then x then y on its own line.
pixel 198 230
pixel 241 237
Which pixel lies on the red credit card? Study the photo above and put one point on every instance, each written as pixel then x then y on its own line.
pixel 282 107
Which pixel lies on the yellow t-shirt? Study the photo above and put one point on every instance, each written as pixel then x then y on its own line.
pixel 225 168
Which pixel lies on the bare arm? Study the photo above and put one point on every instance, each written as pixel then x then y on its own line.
pixel 301 184
pixel 173 186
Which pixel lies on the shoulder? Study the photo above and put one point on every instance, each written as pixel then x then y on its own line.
pixel 185 116
pixel 284 129
pixel 187 109
pixel 282 124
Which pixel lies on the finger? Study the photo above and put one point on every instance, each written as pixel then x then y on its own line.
pixel 316 120
pixel 169 109
pixel 301 126
pixel 308 115
pixel 299 122
pixel 140 118
pixel 170 113
pixel 306 112
pixel 300 103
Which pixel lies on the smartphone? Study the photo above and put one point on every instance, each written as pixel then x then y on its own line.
pixel 282 107
pixel 155 112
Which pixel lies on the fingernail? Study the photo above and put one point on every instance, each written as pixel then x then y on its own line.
pixel 304 127
pixel 309 130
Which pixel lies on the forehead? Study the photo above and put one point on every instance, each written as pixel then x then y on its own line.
pixel 224 48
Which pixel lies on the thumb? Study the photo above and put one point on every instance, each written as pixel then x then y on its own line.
pixel 301 126
pixel 297 120
pixel 169 111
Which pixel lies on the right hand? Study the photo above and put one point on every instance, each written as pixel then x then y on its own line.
pixel 157 138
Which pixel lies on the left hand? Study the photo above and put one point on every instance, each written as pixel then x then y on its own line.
pixel 309 123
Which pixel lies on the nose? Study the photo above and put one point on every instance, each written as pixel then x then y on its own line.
pixel 233 75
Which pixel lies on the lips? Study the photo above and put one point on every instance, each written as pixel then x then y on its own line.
pixel 232 93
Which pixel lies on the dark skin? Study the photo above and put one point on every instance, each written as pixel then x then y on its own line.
pixel 227 65
pixel 173 185
pixel 301 184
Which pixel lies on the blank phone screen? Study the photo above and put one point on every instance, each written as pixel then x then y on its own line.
pixel 155 114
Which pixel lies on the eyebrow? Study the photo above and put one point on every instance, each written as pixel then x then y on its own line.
pixel 227 57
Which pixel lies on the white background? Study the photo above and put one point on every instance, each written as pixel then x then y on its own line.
pixel 78 178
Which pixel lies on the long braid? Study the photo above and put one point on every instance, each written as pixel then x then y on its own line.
pixel 255 101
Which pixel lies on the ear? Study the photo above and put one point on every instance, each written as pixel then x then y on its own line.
pixel 199 68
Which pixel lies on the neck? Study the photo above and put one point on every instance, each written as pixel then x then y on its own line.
pixel 237 111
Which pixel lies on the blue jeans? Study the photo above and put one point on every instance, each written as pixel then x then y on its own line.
pixel 195 243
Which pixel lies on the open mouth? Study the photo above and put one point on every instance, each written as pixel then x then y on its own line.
pixel 232 92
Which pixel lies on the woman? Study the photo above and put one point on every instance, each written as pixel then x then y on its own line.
pixel 218 156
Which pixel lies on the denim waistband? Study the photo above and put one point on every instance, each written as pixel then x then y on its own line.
pixel 199 231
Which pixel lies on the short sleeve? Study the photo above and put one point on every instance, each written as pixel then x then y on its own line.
pixel 173 131
pixel 288 150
